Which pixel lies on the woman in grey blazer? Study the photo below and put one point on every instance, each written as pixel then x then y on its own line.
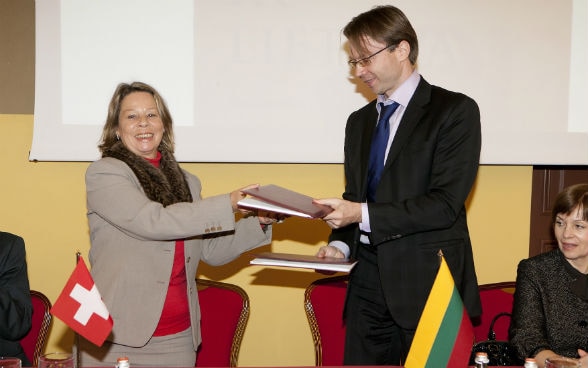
pixel 550 312
pixel 149 228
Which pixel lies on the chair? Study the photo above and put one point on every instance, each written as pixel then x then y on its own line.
pixel 34 342
pixel 323 303
pixel 224 313
pixel 496 298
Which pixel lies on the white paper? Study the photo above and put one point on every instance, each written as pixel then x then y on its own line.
pixel 335 267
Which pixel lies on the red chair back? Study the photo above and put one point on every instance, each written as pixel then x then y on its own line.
pixel 224 313
pixel 34 342
pixel 496 298
pixel 323 302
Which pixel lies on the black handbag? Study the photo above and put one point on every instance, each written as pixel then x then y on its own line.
pixel 500 353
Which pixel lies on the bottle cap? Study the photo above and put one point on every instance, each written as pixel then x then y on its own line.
pixel 482 357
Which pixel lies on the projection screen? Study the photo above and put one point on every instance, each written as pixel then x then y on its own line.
pixel 268 81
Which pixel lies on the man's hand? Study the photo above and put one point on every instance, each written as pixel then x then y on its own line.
pixel 345 212
pixel 328 251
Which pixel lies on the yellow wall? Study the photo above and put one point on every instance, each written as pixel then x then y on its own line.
pixel 44 202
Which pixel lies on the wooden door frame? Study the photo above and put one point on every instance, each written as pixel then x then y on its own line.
pixel 548 181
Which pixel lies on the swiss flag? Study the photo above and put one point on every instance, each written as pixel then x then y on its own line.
pixel 80 306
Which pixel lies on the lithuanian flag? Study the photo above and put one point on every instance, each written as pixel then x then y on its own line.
pixel 444 335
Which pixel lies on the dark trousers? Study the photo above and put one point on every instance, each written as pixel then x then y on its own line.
pixel 373 337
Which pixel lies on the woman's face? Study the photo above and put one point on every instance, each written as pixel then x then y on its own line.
pixel 571 232
pixel 139 125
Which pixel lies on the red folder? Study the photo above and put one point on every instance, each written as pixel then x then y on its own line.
pixel 289 199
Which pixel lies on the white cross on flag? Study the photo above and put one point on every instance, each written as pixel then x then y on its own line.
pixel 80 306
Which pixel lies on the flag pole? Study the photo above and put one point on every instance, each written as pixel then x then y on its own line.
pixel 76 335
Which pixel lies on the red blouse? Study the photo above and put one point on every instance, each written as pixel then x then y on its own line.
pixel 175 316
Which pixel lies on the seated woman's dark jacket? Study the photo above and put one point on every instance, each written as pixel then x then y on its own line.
pixel 550 307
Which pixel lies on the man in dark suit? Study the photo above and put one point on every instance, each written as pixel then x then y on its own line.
pixel 396 220
pixel 16 308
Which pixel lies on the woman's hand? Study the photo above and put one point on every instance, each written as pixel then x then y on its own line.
pixel 266 220
pixel 238 195
pixel 542 355
pixel 583 358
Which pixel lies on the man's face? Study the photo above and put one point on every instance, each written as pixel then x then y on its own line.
pixel 381 67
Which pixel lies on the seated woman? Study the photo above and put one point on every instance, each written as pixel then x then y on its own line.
pixel 550 312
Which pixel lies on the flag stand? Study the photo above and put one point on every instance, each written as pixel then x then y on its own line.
pixel 76 335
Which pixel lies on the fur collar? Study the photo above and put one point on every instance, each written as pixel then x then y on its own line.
pixel 166 184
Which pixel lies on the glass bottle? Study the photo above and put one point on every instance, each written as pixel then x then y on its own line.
pixel 123 362
pixel 530 363
pixel 481 360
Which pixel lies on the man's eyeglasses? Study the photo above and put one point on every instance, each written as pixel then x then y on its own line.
pixel 368 59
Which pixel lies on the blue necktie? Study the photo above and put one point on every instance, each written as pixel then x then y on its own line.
pixel 378 149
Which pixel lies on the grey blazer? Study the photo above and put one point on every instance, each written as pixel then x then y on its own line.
pixel 133 240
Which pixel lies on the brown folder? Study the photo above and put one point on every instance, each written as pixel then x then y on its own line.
pixel 288 199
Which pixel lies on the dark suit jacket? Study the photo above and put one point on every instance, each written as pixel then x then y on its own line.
pixel 419 207
pixel 16 308
pixel 550 309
